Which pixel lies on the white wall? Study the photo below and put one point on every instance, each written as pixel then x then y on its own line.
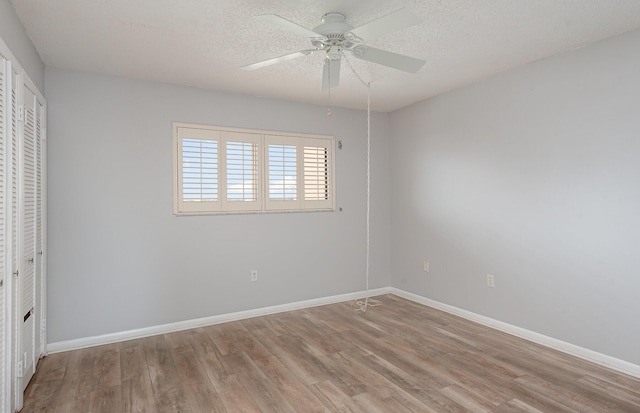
pixel 120 260
pixel 14 35
pixel 533 176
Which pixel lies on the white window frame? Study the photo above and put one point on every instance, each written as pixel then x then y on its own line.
pixel 261 203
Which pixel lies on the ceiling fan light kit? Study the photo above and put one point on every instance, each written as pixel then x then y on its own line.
pixel 335 37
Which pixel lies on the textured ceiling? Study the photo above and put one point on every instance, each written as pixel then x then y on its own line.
pixel 203 43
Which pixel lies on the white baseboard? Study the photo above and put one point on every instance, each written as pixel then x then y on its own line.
pixel 586 354
pixel 79 343
pixel 581 352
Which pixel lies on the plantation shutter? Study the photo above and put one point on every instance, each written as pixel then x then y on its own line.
pixel 317 174
pixel 239 170
pixel 226 170
pixel 198 170
pixel 283 172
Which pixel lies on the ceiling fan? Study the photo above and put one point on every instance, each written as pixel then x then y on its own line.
pixel 335 37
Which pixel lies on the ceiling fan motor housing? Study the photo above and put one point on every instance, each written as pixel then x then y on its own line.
pixel 333 29
pixel 333 23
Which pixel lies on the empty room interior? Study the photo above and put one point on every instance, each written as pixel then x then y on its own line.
pixel 319 206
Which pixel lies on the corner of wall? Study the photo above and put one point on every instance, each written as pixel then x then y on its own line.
pixel 13 33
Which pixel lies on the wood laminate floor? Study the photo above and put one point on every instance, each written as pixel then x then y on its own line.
pixel 399 357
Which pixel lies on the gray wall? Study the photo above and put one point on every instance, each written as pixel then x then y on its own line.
pixel 533 176
pixel 119 259
pixel 15 36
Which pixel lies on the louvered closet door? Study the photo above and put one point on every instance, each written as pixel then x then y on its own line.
pixel 39 277
pixel 12 180
pixel 27 236
pixel 3 227
pixel 22 231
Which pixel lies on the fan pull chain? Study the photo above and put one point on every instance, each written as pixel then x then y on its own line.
pixel 362 305
pixel 329 76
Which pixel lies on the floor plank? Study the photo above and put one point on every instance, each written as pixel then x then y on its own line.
pixel 398 357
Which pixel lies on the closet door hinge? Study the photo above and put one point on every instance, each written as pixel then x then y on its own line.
pixel 21 113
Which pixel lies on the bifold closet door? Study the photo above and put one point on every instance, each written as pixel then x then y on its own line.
pixel 29 330
pixel 4 322
pixel 12 204
pixel 22 230
pixel 11 208
pixel 39 276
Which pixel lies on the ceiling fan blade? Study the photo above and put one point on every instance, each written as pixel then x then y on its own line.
pixel 279 59
pixel 398 20
pixel 330 73
pixel 288 25
pixel 394 60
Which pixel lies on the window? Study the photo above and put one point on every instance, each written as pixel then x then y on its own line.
pixel 223 170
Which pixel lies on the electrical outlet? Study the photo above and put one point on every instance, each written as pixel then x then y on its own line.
pixel 426 266
pixel 490 281
pixel 254 275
